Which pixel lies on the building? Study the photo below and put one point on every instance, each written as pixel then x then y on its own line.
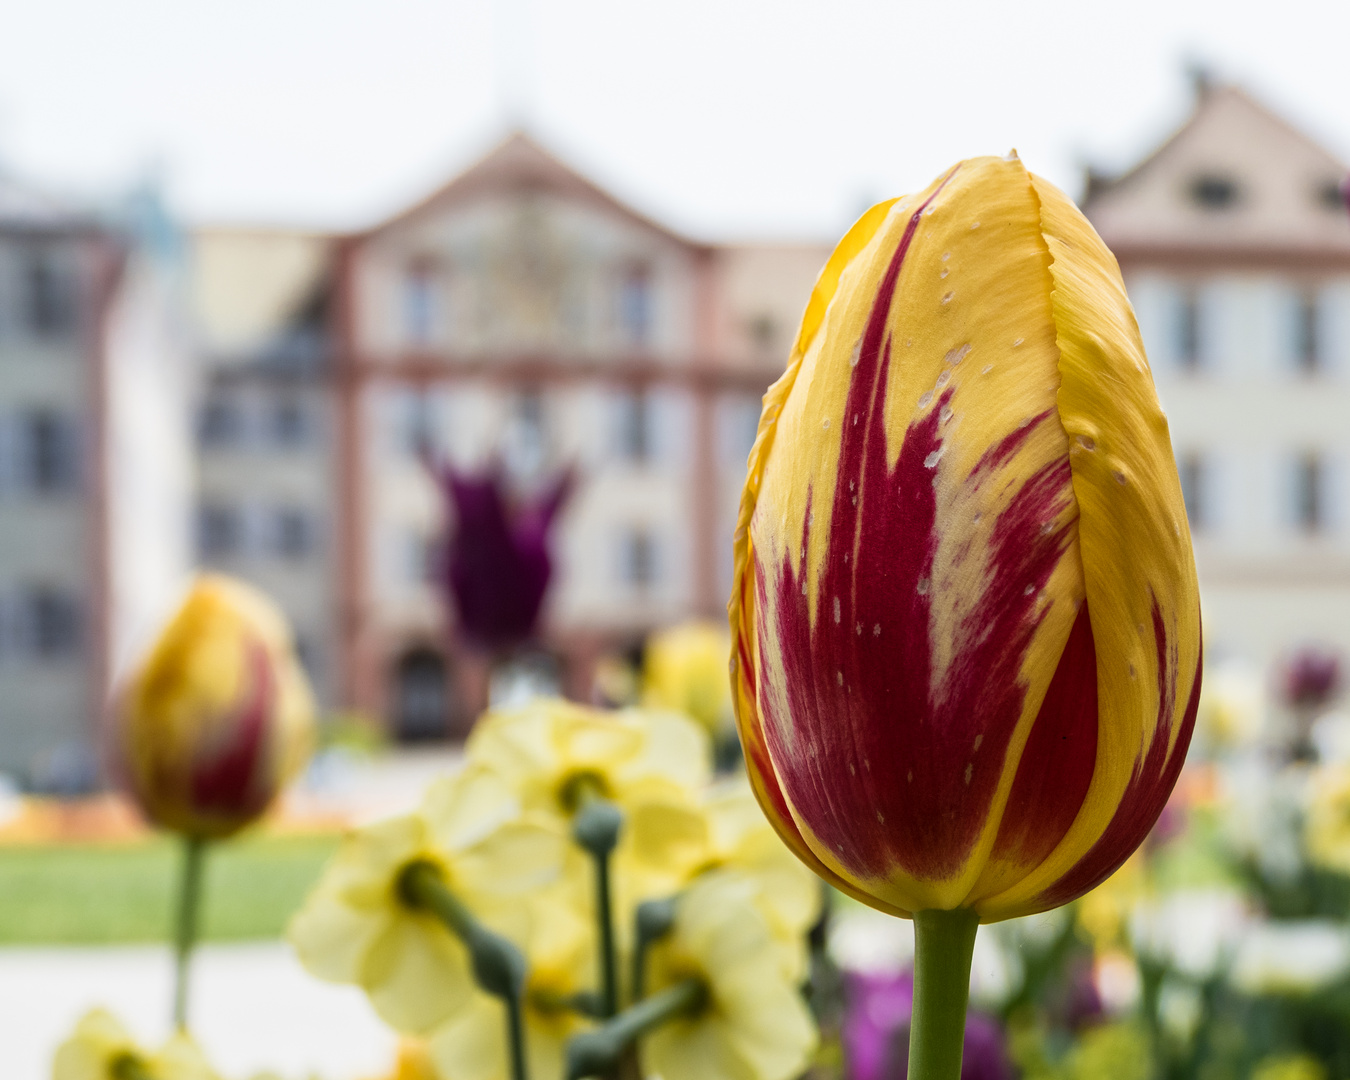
pixel 94 480
pixel 522 313
pixel 519 315
pixel 1234 240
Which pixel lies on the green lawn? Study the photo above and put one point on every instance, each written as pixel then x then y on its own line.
pixel 80 895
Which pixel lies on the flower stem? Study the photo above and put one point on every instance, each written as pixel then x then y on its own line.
pixel 944 942
pixel 597 1052
pixel 652 922
pixel 185 926
pixel 596 828
pixel 498 966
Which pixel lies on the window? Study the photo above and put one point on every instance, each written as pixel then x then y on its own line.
pixel 220 531
pixel 220 422
pixel 1214 192
pixel 1309 497
pixel 1191 467
pixel 1188 332
pixel 419 302
pixel 525 442
pixel 420 430
pixel 1334 195
pixel 52 623
pixel 639 555
pixel 1307 336
pixel 49 293
pixel 289 422
pixel 293 533
pixel 50 449
pixel 635 304
pixel 635 435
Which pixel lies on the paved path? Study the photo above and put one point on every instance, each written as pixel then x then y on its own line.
pixel 254 1007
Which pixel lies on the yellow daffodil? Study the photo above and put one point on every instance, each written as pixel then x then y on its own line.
pixel 685 668
pixel 219 715
pixel 1289 1067
pixel 966 613
pixel 101 1049
pixel 411 1062
pixel 560 948
pixel 550 754
pixel 357 926
pixel 752 1024
pixel 1327 828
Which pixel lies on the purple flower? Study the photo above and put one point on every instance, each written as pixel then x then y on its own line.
pixel 875 1032
pixel 496 563
pixel 1312 678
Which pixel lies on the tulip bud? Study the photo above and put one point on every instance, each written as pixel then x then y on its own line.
pixel 966 619
pixel 218 716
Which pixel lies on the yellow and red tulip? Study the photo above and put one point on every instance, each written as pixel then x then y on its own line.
pixel 966 620
pixel 218 716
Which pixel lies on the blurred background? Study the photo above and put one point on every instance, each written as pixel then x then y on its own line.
pixel 273 273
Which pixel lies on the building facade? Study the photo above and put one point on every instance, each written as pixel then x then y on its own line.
pixel 522 316
pixel 1234 241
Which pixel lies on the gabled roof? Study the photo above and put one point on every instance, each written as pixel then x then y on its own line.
pixel 1235 179
pixel 518 165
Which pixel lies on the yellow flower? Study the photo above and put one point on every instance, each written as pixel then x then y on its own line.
pixel 560 949
pixel 1105 912
pixel 1327 828
pixel 965 612
pixel 356 927
pixel 219 715
pixel 101 1049
pixel 753 1025
pixel 412 1062
pixel 549 754
pixel 1290 1067
pixel 685 668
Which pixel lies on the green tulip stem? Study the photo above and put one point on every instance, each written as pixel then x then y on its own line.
pixel 596 828
pixel 185 926
pixel 498 965
pixel 944 942
pixel 599 1051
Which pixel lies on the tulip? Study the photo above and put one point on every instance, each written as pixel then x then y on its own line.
pixel 965 616
pixel 685 668
pixel 497 563
pixel 210 727
pixel 218 717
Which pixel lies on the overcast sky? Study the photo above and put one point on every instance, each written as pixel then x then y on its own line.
pixel 723 118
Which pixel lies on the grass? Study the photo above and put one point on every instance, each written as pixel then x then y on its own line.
pixel 86 895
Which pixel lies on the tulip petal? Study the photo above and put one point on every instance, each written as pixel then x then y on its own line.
pixel 1139 571
pixel 914 552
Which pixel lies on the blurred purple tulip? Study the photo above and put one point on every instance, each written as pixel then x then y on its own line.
pixel 1312 678
pixel 496 563
pixel 875 1032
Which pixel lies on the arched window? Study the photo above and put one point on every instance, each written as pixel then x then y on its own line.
pixel 421 696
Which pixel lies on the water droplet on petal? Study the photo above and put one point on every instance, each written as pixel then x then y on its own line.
pixel 1018 342
pixel 925 399
pixel 944 414
pixel 857 352
pixel 942 273
pixel 970 769
pixel 986 369
pixel 860 629
pixel 930 462
pixel 1120 477
pixel 1087 442
pixel 975 226
pixel 979 739
pixel 881 817
pixel 946 255
pixel 1029 590
pixel 948 298
pixel 836 609
pixel 923 586
pixel 943 378
pixel 839 677
pixel 876 630
pixel 825 423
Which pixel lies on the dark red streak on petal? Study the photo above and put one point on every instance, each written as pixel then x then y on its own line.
pixel 1150 786
pixel 227 781
pixel 887 762
pixel 1060 756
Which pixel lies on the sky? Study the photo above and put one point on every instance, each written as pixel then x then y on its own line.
pixel 725 119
